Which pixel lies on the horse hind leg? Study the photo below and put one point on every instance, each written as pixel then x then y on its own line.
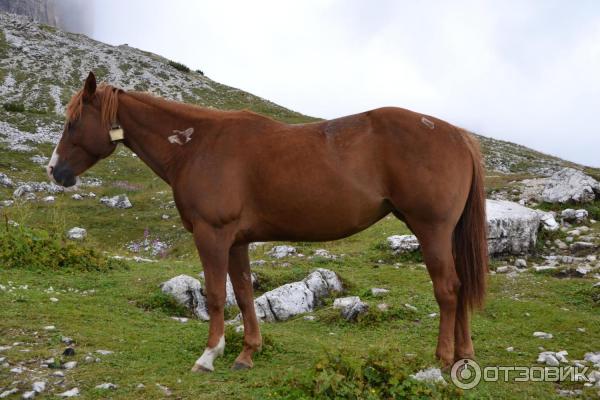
pixel 436 246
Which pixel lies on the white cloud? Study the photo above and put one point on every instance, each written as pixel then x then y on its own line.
pixel 524 71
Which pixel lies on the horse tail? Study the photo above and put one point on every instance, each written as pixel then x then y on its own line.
pixel 469 240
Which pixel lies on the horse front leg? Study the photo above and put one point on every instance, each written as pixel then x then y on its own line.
pixel 213 248
pixel 239 271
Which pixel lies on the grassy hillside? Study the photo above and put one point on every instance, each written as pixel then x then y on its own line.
pixel 120 308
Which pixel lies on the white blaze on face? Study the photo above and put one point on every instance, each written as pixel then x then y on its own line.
pixel 208 357
pixel 52 164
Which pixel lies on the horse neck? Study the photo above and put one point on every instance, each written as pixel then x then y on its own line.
pixel 147 128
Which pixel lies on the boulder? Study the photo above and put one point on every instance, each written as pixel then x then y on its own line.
pixel 564 186
pixel 296 298
pixel 77 233
pixel 282 251
pixel 512 228
pixel 187 291
pixel 549 222
pixel 120 201
pixel 403 243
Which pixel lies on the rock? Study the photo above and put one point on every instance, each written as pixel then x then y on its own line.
pixel 187 291
pixel 180 319
pixel 17 370
pixel 39 386
pixel 549 222
pixel 310 318
pixel 560 244
pixel 69 352
pixel 547 357
pixel 379 292
pixel 432 375
pixel 576 216
pixel 351 307
pixel 284 302
pixel 520 263
pixel 510 349
pixel 7 203
pixel 49 328
pixel 166 391
pixel 53 299
pixel 70 365
pixel 28 395
pixel 48 199
pixel 542 335
pixel 512 228
pixel 322 253
pixel 107 386
pixel 282 251
pixel 577 246
pixel 383 307
pixel 77 196
pixel 9 392
pixel 570 185
pixel 120 201
pixel 67 340
pixel 403 243
pixel 77 233
pixel 569 392
pixel 5 181
pixel 104 352
pixel 411 307
pixel 593 358
pixel 69 393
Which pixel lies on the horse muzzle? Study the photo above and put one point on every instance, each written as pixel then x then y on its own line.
pixel 63 175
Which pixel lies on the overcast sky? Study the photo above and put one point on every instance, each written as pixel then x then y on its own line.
pixel 523 71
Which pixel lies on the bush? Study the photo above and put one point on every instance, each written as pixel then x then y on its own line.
pixel 200 72
pixel 36 249
pixel 179 66
pixel 14 107
pixel 381 375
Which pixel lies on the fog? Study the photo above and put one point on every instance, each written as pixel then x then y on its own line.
pixel 523 71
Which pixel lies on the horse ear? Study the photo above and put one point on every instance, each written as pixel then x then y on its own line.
pixel 89 88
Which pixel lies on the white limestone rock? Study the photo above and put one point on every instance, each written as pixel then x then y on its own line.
pixel 119 201
pixel 512 228
pixel 187 291
pixel 403 243
pixel 76 233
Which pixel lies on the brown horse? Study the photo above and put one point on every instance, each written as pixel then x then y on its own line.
pixel 239 177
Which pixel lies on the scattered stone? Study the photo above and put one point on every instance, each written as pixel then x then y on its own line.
pixel 164 217
pixel 310 318
pixel 77 196
pixel 53 299
pixel 541 268
pixel 66 340
pixel 576 216
pixel 549 222
pixel 5 181
pixel 432 375
pixel 403 243
pixel 377 292
pixel 510 349
pixel 383 307
pixel 411 307
pixel 28 395
pixel 183 320
pixel 322 253
pixel 70 365
pixel 512 228
pixel 104 352
pixel 569 392
pixel 166 391
pixel 39 386
pixel 593 358
pixel 578 246
pixel 351 307
pixel 119 201
pixel 69 393
pixel 560 244
pixel 282 251
pixel 432 315
pixel 565 186
pixel 77 233
pixel 7 203
pixel 69 352
pixel 17 370
pixel 58 374
pixel 48 199
pixel 520 263
pixel 107 386
pixel 49 328
pixel 9 392
pixel 140 386
pixel 542 335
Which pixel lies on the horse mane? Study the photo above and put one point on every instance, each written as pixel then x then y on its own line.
pixel 109 103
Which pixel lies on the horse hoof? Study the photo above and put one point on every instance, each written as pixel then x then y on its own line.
pixel 240 366
pixel 200 369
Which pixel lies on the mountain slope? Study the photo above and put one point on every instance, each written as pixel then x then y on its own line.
pixel 41 67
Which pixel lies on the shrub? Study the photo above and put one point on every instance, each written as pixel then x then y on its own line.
pixel 14 107
pixel 179 66
pixel 381 375
pixel 36 249
pixel 165 303
pixel 199 71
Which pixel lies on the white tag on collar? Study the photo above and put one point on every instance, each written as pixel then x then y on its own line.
pixel 116 134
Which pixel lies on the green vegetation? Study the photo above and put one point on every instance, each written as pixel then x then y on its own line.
pixel 179 66
pixel 14 107
pixel 592 208
pixel 36 249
